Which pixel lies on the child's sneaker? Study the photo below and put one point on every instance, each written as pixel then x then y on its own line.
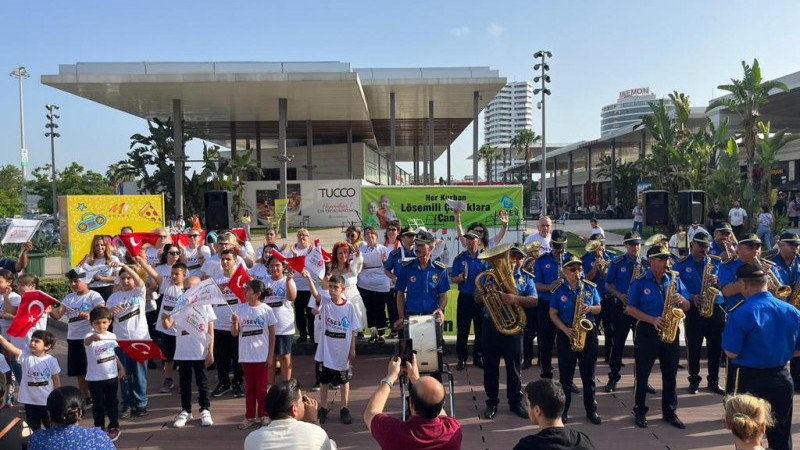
pixel 265 421
pixel 220 389
pixel 345 417
pixel 167 386
pixel 247 423
pixel 237 391
pixel 205 418
pixel 182 418
pixel 113 434
pixel 315 388
pixel 322 415
pixel 125 413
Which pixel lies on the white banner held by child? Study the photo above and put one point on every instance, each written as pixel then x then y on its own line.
pixel 21 231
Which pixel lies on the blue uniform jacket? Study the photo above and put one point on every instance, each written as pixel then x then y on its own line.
pixel 691 272
pixel 648 296
pixel 546 271
pixel 564 301
pixel 394 262
pixel 788 274
pixel 474 266
pixel 620 271
pixel 422 286
pixel 600 278
pixel 727 275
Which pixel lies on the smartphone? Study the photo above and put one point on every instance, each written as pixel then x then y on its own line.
pixel 405 350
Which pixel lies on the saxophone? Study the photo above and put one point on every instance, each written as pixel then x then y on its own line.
pixel 508 319
pixel 708 293
pixel 580 323
pixel 671 315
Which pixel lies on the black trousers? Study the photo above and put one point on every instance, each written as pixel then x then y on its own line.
pixel 607 319
pixel 467 313
pixel 699 328
pixel 105 403
pixel 586 361
pixel 495 346
pixel 646 349
pixel 623 323
pixel 794 369
pixel 391 307
pixel 37 417
pixel 774 385
pixel 547 337
pixel 530 333
pixel 303 317
pixel 226 356
pixel 375 302
pixel 185 371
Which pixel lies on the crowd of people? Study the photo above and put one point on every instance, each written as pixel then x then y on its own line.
pixel 371 291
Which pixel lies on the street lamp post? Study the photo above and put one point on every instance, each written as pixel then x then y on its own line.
pixel 52 134
pixel 544 79
pixel 20 73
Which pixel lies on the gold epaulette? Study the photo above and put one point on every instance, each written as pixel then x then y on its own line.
pixel 440 264
pixel 460 254
pixel 640 277
pixel 395 251
pixel 409 262
pixel 683 259
pixel 530 274
pixel 618 259
pixel 594 285
pixel 558 285
pixel 715 257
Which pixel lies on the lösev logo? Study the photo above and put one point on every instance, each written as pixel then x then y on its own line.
pixel 337 192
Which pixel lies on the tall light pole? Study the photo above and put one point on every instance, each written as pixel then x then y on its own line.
pixel 20 73
pixel 51 125
pixel 544 79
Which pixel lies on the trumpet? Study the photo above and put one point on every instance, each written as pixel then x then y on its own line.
pixel 729 250
pixel 778 289
pixel 534 250
pixel 595 246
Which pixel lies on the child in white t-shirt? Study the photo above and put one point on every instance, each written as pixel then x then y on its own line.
pixel 129 305
pixel 285 292
pixel 337 347
pixel 103 371
pixel 193 355
pixel 254 323
pixel 9 301
pixel 40 375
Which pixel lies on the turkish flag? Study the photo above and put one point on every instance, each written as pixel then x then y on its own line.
pixel 135 241
pixel 141 351
pixel 240 234
pixel 238 281
pixel 298 263
pixel 182 239
pixel 326 257
pixel 31 308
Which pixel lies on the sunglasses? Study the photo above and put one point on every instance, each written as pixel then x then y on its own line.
pixel 194 235
pixel 163 236
pixel 479 231
pixel 391 229
pixel 574 269
pixel 173 253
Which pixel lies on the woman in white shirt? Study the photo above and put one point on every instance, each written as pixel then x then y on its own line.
pixel 99 261
pixel 373 285
pixel 153 253
pixel 765 223
pixel 194 256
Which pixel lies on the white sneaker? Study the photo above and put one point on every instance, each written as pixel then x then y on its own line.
pixel 205 418
pixel 182 418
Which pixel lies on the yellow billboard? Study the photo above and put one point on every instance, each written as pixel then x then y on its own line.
pixel 84 216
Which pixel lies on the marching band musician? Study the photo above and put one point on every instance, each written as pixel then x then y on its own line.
pixel 548 273
pixel 591 267
pixel 422 284
pixel 394 264
pixel 787 264
pixel 563 315
pixel 749 251
pixel 760 337
pixel 722 242
pixel 692 268
pixel 509 347
pixel 618 280
pixel 646 305
pixel 466 267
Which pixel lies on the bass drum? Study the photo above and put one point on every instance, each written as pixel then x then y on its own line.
pixel 425 333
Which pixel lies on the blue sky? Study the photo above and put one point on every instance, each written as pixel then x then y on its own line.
pixel 600 48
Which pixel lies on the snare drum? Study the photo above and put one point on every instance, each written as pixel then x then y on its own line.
pixel 426 334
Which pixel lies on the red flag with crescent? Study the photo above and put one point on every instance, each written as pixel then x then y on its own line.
pixel 238 281
pixel 135 241
pixel 326 257
pixel 141 351
pixel 298 263
pixel 182 239
pixel 240 234
pixel 31 308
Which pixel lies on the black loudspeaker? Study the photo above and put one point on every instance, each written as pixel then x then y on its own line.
pixel 218 210
pixel 691 207
pixel 656 208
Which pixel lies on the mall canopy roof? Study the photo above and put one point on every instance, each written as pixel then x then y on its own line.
pixel 331 95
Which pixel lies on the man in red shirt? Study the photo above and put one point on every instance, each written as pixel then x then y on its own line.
pixel 427 428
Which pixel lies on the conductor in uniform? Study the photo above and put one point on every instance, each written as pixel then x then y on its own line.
pixel 761 336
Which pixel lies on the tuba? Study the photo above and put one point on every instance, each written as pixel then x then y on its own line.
pixel 580 323
pixel 777 288
pixel 594 246
pixel 671 315
pixel 708 293
pixel 492 283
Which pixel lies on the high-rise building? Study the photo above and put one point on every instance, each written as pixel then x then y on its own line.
pixel 631 105
pixel 509 112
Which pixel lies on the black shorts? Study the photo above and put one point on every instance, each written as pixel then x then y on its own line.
pixel 284 344
pixel 76 358
pixel 168 347
pixel 325 375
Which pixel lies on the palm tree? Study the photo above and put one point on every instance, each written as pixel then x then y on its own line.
pixel 523 142
pixel 746 97
pixel 487 154
pixel 767 153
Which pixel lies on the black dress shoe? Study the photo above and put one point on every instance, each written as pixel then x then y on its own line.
pixel 594 418
pixel 694 387
pixel 520 410
pixel 461 365
pixel 716 388
pixel 675 421
pixel 490 412
pixel 650 389
pixel 575 389
pixel 526 365
pixel 477 362
pixel 681 366
pixel 564 418
pixel 611 386
pixel 640 420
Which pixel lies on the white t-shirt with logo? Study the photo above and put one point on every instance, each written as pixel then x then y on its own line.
pixel 193 259
pixel 171 294
pixel 259 272
pixel 189 348
pixel 223 312
pixel 101 361
pixel 300 281
pixel 37 377
pixel 254 323
pixel 105 272
pixel 78 328
pixel 737 216
pixel 339 323
pixel 152 256
pixel 374 278
pixel 281 306
pixel 15 300
pixel 130 322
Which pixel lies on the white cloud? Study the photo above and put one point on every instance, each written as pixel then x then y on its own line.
pixel 495 29
pixel 460 31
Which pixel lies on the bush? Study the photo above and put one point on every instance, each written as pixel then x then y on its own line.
pixel 56 287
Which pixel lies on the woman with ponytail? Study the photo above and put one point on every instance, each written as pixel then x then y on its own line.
pixel 66 406
pixel 748 418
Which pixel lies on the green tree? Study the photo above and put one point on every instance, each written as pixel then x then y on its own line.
pixel 767 148
pixel 72 180
pixel 747 95
pixel 626 178
pixel 522 143
pixel 487 154
pixel 11 202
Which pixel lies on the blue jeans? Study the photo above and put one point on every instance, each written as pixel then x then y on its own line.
pixel 638 227
pixel 765 234
pixel 134 385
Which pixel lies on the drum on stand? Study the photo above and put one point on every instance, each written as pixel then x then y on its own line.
pixel 425 333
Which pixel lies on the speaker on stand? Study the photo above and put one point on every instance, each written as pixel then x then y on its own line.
pixel 218 210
